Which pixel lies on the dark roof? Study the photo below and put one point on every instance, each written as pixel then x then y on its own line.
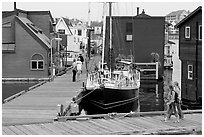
pixel 16 11
pixel 67 21
pixel 34 31
pixel 189 16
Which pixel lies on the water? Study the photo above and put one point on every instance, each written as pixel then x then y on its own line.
pixel 151 96
pixel 9 89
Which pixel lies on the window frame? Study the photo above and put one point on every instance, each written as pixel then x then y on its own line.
pixel 186 30
pixel 190 72
pixel 61 31
pixel 200 32
pixel 6 25
pixel 129 27
pixel 37 61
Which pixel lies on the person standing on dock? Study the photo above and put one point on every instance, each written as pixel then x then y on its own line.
pixel 178 100
pixel 74 70
pixel 79 69
pixel 171 104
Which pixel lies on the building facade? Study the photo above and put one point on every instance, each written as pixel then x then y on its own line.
pixel 190 53
pixel 173 18
pixel 79 30
pixel 26 43
pixel 140 36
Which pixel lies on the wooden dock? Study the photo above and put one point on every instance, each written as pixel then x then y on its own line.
pixel 148 125
pixel 40 104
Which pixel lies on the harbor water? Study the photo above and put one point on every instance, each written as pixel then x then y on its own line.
pixel 9 89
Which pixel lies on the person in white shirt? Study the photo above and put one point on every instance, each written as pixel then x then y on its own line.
pixel 79 68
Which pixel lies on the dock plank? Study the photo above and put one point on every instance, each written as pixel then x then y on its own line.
pixel 8 131
pixel 33 131
pixel 88 127
pixel 68 130
pixel 71 129
pixel 24 130
pixel 55 129
pixel 16 130
pixel 80 128
pixel 96 123
pixel 130 125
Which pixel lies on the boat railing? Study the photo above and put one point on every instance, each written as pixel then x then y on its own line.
pixel 118 79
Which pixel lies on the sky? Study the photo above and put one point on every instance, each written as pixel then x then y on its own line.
pixel 79 9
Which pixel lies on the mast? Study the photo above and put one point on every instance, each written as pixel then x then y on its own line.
pixel 104 32
pixel 110 8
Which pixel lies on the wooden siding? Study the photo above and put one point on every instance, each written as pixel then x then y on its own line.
pixel 187 54
pixel 188 86
pixel 18 64
pixel 189 45
pixel 8 33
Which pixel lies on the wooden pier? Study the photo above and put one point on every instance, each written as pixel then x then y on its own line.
pixel 33 113
pixel 148 125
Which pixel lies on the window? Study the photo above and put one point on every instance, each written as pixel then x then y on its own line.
pixel 129 27
pixel 37 62
pixel 79 32
pixel 128 37
pixel 200 32
pixel 7 24
pixel 190 72
pixel 61 31
pixel 187 32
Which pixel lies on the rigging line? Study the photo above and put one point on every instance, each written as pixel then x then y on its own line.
pixel 86 94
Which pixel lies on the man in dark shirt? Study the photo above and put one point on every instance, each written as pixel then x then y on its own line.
pixel 81 58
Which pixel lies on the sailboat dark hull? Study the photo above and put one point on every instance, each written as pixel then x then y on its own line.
pixel 108 100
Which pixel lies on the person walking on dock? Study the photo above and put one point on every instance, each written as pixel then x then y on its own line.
pixel 167 108
pixel 171 104
pixel 81 58
pixel 74 70
pixel 178 100
pixel 79 69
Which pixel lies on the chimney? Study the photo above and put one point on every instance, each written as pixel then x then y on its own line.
pixel 143 12
pixel 14 5
pixel 137 11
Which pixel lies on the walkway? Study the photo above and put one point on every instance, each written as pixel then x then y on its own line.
pixel 40 104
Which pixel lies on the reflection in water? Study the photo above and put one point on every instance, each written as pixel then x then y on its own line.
pixel 151 96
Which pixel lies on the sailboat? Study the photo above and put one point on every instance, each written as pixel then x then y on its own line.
pixel 110 90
